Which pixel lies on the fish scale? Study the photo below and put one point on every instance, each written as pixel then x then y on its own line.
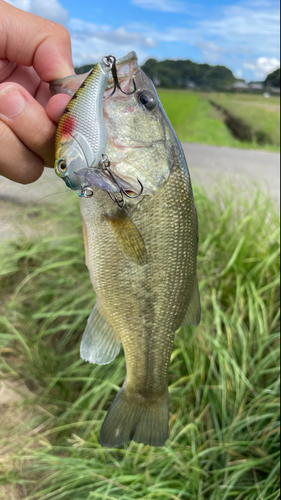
pixel 139 324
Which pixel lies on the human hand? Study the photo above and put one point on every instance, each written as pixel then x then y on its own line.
pixel 33 52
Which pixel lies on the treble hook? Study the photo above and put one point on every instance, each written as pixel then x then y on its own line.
pixel 122 192
pixel 120 203
pixel 136 195
pixel 110 62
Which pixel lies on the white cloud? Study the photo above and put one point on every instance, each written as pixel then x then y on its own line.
pixel 50 9
pixel 262 66
pixel 92 41
pixel 230 36
pixel 84 31
pixel 161 5
pixel 240 28
pixel 212 52
pixel 238 73
pixel 20 4
pixel 242 35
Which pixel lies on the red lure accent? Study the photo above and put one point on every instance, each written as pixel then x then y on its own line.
pixel 68 125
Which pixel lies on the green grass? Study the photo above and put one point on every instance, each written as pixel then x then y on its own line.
pixel 224 441
pixel 195 120
pixel 262 115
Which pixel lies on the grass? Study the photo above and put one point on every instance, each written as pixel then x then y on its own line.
pixel 262 115
pixel 224 441
pixel 195 119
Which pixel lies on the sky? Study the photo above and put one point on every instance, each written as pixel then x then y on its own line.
pixel 242 35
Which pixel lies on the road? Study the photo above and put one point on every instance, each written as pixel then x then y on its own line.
pixel 244 169
pixel 209 166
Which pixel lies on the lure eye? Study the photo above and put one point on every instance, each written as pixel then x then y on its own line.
pixel 61 167
pixel 147 100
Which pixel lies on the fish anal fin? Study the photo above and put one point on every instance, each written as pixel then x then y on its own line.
pixel 100 344
pixel 128 236
pixel 193 315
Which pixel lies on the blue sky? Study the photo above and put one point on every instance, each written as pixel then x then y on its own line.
pixel 243 35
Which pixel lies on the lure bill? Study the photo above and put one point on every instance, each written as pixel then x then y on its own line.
pixel 141 243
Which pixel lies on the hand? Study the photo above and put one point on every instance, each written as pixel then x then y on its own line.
pixel 33 52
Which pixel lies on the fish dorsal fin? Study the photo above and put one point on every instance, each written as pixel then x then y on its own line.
pixel 193 315
pixel 100 343
pixel 128 236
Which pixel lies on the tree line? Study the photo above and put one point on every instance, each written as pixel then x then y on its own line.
pixel 184 74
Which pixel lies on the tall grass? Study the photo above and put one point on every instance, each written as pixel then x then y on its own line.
pixel 224 441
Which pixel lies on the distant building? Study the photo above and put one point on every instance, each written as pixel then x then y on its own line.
pixel 191 85
pixel 239 86
pixel 256 86
pixel 156 81
pixel 273 90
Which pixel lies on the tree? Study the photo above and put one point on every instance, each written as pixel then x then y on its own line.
pixel 273 79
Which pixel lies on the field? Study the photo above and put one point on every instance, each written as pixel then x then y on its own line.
pixel 224 441
pixel 196 120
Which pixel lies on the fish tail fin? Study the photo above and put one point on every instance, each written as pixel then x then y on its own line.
pixel 133 418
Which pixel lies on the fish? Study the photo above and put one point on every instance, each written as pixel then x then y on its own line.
pixel 141 252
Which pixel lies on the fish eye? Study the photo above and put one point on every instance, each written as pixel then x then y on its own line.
pixel 147 100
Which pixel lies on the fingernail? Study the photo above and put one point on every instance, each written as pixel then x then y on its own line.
pixel 12 102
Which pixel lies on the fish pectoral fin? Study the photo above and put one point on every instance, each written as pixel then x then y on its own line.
pixel 193 315
pixel 100 343
pixel 128 236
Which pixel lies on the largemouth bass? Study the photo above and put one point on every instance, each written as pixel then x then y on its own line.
pixel 141 253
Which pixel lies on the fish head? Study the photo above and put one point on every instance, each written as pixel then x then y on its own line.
pixel 140 139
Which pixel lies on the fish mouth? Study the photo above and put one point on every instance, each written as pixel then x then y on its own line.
pixel 126 67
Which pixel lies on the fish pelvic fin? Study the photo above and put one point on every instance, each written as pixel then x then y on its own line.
pixel 193 315
pixel 100 343
pixel 128 237
pixel 134 418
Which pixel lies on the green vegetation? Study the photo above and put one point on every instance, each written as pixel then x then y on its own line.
pixel 179 74
pixel 196 120
pixel 224 441
pixel 261 116
pixel 273 79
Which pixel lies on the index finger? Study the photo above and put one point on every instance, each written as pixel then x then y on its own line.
pixel 30 40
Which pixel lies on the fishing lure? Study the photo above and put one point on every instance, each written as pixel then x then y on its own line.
pixel 81 136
